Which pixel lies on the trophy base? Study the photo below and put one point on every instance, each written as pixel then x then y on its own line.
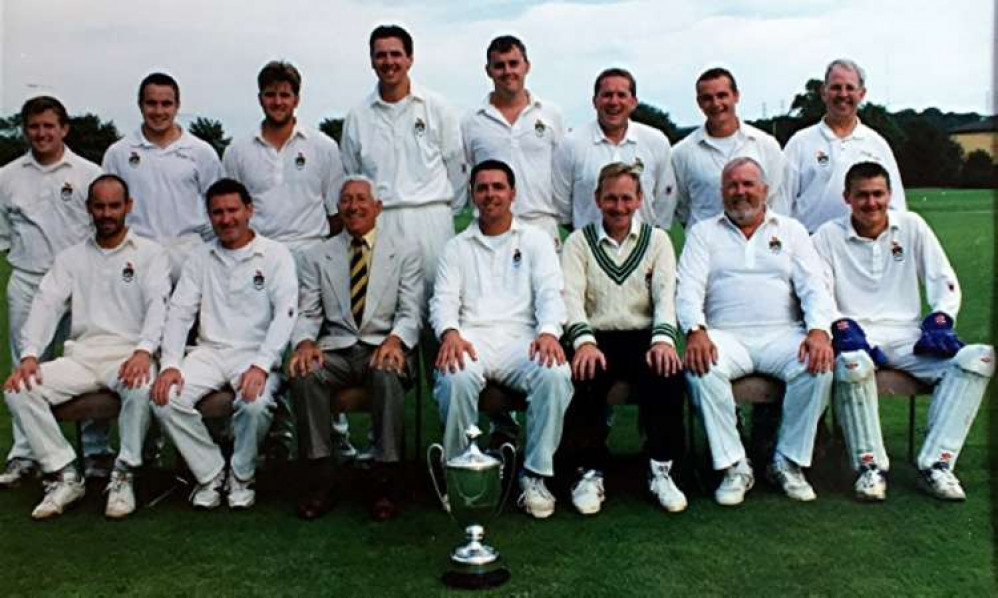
pixel 476 578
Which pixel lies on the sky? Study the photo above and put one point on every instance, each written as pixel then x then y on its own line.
pixel 93 54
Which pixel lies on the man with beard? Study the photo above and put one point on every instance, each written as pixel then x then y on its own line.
pixel 744 278
pixel 116 284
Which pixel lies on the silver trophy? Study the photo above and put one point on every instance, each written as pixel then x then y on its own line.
pixel 475 495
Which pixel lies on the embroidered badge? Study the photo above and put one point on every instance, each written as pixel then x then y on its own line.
pixel 822 158
pixel 128 272
pixel 67 192
pixel 517 257
pixel 258 280
pixel 540 127
pixel 897 251
pixel 639 166
pixel 775 245
pixel 946 456
pixel 300 161
pixel 420 127
pixel 133 160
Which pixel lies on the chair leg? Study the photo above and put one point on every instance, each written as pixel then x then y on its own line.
pixel 419 402
pixel 911 428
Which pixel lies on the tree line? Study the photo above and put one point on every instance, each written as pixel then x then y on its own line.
pixel 926 155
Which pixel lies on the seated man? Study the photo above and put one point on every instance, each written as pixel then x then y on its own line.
pixel 744 277
pixel 116 285
pixel 498 311
pixel 358 318
pixel 620 282
pixel 244 289
pixel 878 258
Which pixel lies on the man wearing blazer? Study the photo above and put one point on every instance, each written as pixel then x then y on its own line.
pixel 359 318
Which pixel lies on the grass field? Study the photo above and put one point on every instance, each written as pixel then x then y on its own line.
pixel 911 545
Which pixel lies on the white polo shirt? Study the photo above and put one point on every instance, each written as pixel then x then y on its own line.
pixel 727 281
pixel 247 300
pixel 43 208
pixel 527 145
pixel 876 281
pixel 699 159
pixel 586 150
pixel 816 165
pixel 294 189
pixel 511 281
pixel 411 149
pixel 117 296
pixel 168 184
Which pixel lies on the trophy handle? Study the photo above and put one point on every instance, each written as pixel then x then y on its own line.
pixel 436 448
pixel 511 461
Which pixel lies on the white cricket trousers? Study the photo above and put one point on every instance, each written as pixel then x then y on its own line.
pixel 503 358
pixel 83 368
pixel 428 226
pixel 764 350
pixel 205 370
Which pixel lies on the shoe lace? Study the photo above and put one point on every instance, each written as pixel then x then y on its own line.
pixel 534 486
pixel 118 481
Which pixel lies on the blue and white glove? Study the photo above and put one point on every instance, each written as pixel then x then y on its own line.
pixel 938 337
pixel 847 335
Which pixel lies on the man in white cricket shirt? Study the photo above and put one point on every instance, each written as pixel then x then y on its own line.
pixel 744 279
pixel 878 259
pixel 700 156
pixel 244 289
pixel 116 285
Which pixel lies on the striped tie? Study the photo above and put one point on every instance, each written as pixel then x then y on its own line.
pixel 358 279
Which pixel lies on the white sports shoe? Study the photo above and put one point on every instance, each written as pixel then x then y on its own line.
pixel 738 479
pixel 663 488
pixel 939 481
pixel 120 495
pixel 787 475
pixel 871 485
pixel 208 496
pixel 64 490
pixel 240 493
pixel 16 471
pixel 588 494
pixel 535 498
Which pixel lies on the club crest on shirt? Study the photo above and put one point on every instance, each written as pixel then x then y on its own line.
pixel 775 245
pixel 66 193
pixel 420 127
pixel 897 252
pixel 258 280
pixel 822 158
pixel 128 272
pixel 540 127
pixel 638 167
pixel 517 257
pixel 300 161
pixel 133 160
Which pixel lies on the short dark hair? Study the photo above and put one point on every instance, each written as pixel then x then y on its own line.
pixel 387 31
pixel 716 73
pixel 866 170
pixel 159 79
pixel 104 178
pixel 503 44
pixel 40 104
pixel 492 165
pixel 225 187
pixel 277 71
pixel 616 72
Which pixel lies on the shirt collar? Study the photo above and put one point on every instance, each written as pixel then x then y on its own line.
pixel 858 132
pixel 369 238
pixel 139 140
pixel 63 161
pixel 254 247
pixel 416 92
pixel 701 135
pixel 486 105
pixel 298 131
pixel 476 231
pixel 893 223
pixel 599 137
pixel 601 234
pixel 770 217
pixel 128 240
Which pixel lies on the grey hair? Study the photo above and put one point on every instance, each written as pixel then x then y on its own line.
pixel 742 161
pixel 848 65
pixel 359 178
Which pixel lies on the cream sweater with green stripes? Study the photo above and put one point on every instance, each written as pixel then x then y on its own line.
pixel 631 290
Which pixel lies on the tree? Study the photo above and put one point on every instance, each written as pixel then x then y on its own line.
pixel 90 137
pixel 808 107
pixel 332 127
pixel 211 132
pixel 979 170
pixel 657 119
pixel 12 144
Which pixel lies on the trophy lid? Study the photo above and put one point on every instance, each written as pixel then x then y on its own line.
pixel 473 457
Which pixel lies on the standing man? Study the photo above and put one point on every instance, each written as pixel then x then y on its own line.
pixel 818 157
pixel 359 314
pixel 168 171
pixel 243 288
pixel 42 211
pixel 116 284
pixel 878 259
pixel 408 141
pixel 498 312
pixel 518 128
pixel 620 283
pixel 700 156
pixel 744 279
pixel 613 137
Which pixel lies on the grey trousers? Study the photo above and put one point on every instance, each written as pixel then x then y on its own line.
pixel 345 368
